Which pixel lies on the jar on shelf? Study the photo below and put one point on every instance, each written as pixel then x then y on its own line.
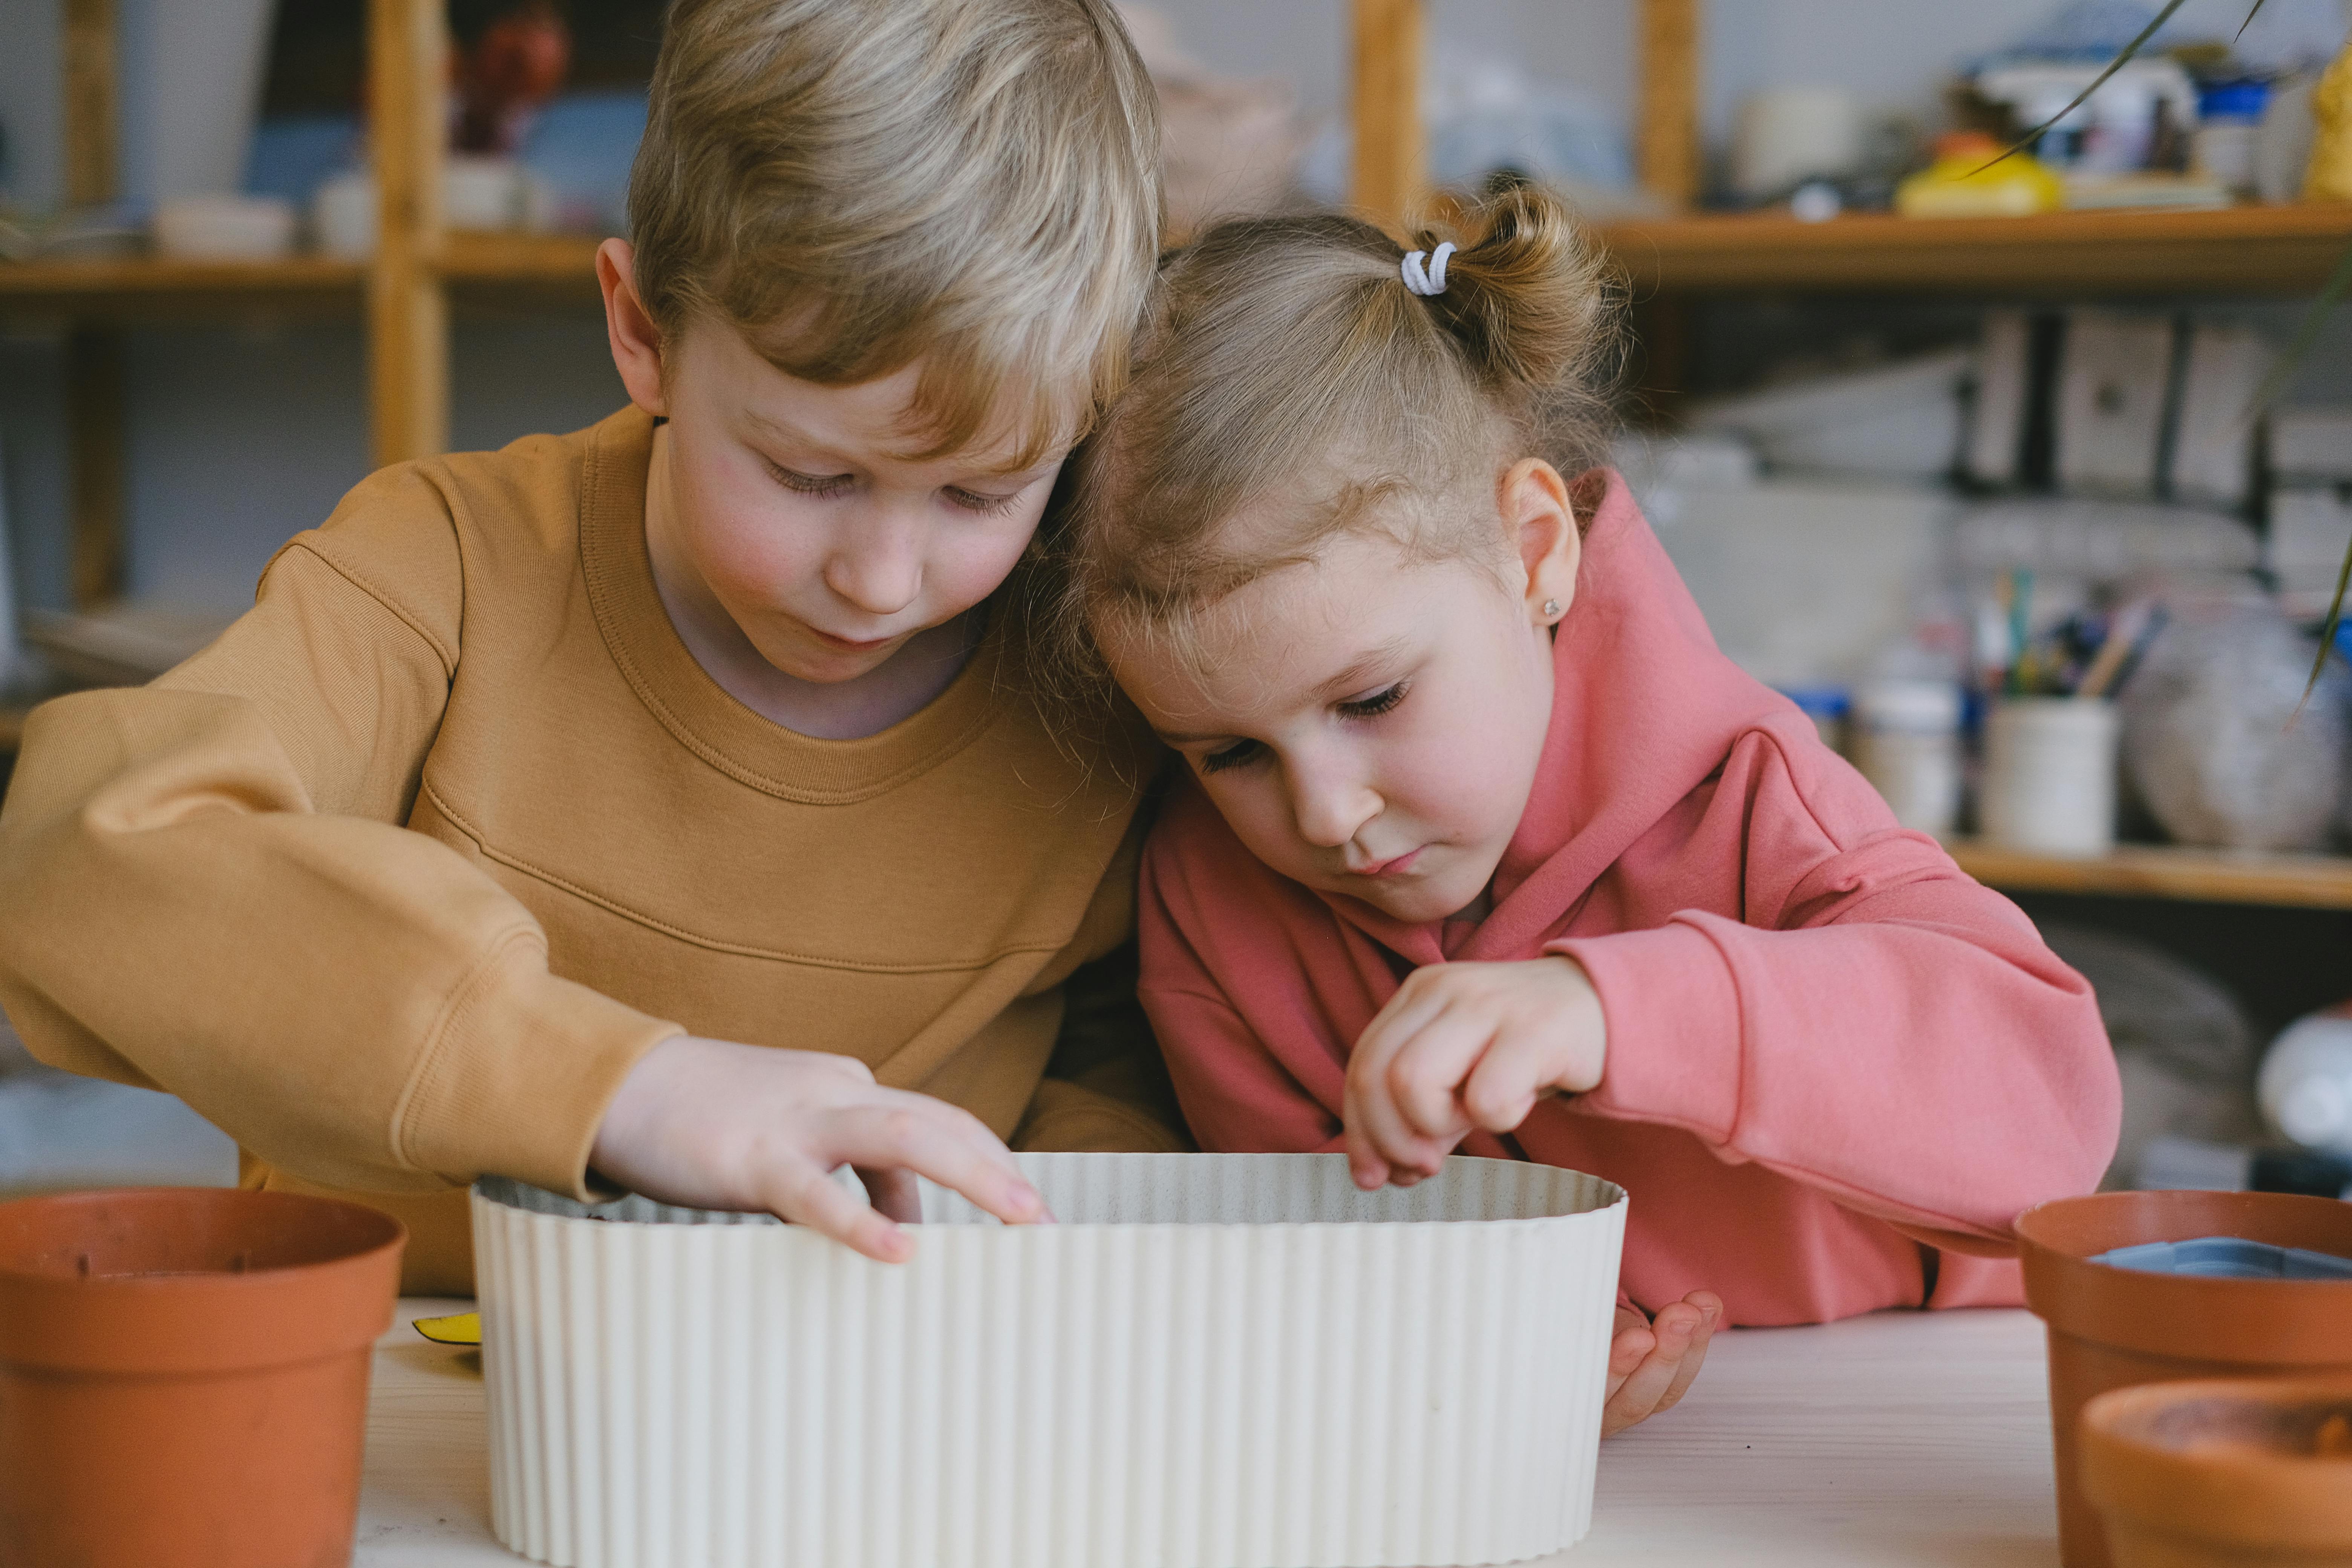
pixel 2049 781
pixel 1906 742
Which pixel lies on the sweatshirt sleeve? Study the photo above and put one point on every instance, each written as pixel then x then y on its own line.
pixel 204 888
pixel 1879 1026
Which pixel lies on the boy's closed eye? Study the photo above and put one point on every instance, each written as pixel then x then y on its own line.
pixel 827 487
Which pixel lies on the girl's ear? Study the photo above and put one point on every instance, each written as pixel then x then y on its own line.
pixel 1541 526
pixel 629 327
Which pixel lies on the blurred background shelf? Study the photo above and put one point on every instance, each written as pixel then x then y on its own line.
pixel 2247 249
pixel 557 264
pixel 132 286
pixel 2164 871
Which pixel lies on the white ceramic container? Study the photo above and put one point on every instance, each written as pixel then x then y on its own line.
pixel 1213 1360
pixel 224 228
pixel 2049 784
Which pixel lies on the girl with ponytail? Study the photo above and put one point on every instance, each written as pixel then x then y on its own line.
pixel 1479 843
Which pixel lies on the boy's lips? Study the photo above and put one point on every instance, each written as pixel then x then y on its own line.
pixel 849 645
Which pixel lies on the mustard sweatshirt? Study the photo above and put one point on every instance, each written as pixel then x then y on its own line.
pixel 396 881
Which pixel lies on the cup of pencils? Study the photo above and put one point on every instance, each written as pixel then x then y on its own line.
pixel 2048 785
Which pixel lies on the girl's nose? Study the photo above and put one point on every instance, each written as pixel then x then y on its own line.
pixel 1330 806
pixel 877 567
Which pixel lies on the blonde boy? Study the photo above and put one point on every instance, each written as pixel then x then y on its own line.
pixel 654 801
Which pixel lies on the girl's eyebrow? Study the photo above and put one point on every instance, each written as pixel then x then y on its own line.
pixel 1364 671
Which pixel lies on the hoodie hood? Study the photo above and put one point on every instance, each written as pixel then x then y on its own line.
pixel 1644 709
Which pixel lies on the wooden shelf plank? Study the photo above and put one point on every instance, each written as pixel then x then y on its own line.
pixel 2250 249
pixel 560 263
pixel 136 285
pixel 2167 871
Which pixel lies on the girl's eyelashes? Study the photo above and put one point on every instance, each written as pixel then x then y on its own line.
pixel 1378 703
pixel 1239 754
pixel 825 487
pixel 973 500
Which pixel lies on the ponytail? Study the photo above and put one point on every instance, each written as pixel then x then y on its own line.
pixel 1530 301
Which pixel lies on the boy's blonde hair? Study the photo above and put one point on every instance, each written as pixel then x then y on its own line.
pixel 857 184
pixel 1285 362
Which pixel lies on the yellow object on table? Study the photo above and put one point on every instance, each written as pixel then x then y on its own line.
pixel 2328 176
pixel 1965 182
pixel 457 1329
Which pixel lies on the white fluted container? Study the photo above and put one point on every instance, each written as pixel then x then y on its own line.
pixel 1215 1361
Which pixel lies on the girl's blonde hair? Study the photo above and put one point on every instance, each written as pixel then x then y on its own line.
pixel 856 184
pixel 1285 367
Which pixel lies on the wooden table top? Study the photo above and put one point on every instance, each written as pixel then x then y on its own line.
pixel 1902 1437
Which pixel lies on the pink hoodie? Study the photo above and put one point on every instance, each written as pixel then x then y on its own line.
pixel 1838 1068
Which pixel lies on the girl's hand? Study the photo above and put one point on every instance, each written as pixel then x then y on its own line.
pixel 1652 1363
pixel 716 1125
pixel 1467 1046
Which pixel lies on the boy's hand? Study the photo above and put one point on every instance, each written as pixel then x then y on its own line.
pixel 716 1125
pixel 1464 1045
pixel 1651 1363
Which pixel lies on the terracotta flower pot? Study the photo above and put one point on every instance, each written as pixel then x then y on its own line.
pixel 184 1376
pixel 2223 1474
pixel 2110 1328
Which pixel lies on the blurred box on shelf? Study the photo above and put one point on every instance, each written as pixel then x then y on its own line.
pixel 1895 421
pixel 2212 448
pixel 2312 442
pixel 1803 582
pixel 2111 403
pixel 2310 530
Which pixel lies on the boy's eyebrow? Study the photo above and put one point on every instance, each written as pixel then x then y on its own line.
pixel 1029 474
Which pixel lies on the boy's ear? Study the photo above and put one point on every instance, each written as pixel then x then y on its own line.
pixel 1541 524
pixel 637 341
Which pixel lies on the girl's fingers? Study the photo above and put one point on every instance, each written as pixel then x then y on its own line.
pixel 1502 1088
pixel 1709 1308
pixel 1424 1079
pixel 1639 1395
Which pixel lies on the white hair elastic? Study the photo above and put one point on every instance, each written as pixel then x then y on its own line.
pixel 1432 280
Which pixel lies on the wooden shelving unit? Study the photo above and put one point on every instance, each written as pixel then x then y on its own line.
pixel 2239 250
pixel 406 289
pixel 2168 872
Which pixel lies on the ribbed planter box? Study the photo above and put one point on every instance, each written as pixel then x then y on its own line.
pixel 1215 1361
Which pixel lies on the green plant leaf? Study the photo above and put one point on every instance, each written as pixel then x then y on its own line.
pixel 2121 60
pixel 2327 629
pixel 2306 334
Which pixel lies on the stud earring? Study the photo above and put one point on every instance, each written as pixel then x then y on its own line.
pixel 1551 608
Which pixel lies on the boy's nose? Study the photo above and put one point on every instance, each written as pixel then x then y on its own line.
pixel 879 570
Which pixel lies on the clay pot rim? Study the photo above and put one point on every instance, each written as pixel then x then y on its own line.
pixel 389 1234
pixel 2301 1500
pixel 2175 1315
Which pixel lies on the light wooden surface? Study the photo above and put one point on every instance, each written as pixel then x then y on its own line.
pixel 2250 249
pixel 90 117
pixel 1667 142
pixel 408 314
pixel 1391 171
pixel 2168 872
pixel 1894 1439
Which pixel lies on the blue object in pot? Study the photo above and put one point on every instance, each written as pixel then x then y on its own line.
pixel 2228 1257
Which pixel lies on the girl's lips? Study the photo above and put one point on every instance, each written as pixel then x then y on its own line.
pixel 1391 867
